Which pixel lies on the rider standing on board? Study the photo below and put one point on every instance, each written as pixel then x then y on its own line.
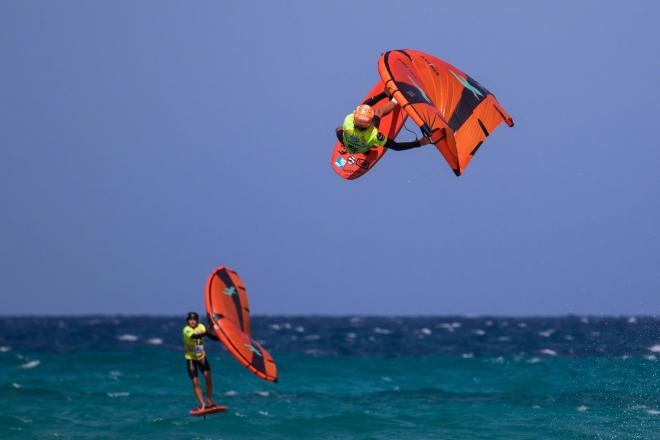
pixel 193 346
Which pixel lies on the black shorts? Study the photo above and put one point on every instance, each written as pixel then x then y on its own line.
pixel 192 366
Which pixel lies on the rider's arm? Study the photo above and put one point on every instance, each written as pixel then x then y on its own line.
pixel 402 146
pixel 211 334
pixel 375 99
pixel 340 134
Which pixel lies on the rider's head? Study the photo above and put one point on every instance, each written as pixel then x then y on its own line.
pixel 192 319
pixel 363 116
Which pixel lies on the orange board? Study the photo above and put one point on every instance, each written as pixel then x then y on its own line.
pixel 228 311
pixel 208 411
pixel 350 166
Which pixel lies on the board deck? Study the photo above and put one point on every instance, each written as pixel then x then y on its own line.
pixel 196 412
pixel 350 166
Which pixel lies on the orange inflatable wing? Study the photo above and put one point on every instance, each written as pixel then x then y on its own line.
pixel 228 311
pixel 452 108
pixel 350 166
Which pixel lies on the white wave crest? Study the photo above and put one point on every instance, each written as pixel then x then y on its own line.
pixel 449 326
pixel 127 338
pixel 31 364
pixel 154 341
pixel 548 352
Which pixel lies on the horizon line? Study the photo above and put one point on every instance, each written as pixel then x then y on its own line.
pixel 339 316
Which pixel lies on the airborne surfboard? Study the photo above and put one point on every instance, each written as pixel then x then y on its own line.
pixel 350 166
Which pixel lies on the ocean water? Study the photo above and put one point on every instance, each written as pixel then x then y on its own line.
pixel 340 378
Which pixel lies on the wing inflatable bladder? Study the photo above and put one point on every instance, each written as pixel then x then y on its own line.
pixel 228 311
pixel 446 103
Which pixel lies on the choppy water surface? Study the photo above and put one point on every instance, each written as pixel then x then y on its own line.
pixel 352 377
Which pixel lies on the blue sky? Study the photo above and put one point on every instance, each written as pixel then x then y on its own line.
pixel 145 143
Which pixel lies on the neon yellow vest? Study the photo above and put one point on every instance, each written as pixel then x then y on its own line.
pixel 193 348
pixel 360 141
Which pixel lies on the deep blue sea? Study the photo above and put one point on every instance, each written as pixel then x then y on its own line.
pixel 340 378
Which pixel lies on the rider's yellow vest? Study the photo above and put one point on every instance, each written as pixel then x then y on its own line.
pixel 360 141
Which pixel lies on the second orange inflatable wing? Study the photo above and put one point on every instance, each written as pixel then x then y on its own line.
pixel 228 311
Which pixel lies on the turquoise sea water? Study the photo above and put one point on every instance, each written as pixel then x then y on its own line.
pixel 379 378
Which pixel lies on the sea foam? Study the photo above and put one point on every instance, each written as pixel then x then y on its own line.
pixel 655 348
pixel 31 364
pixel 548 352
